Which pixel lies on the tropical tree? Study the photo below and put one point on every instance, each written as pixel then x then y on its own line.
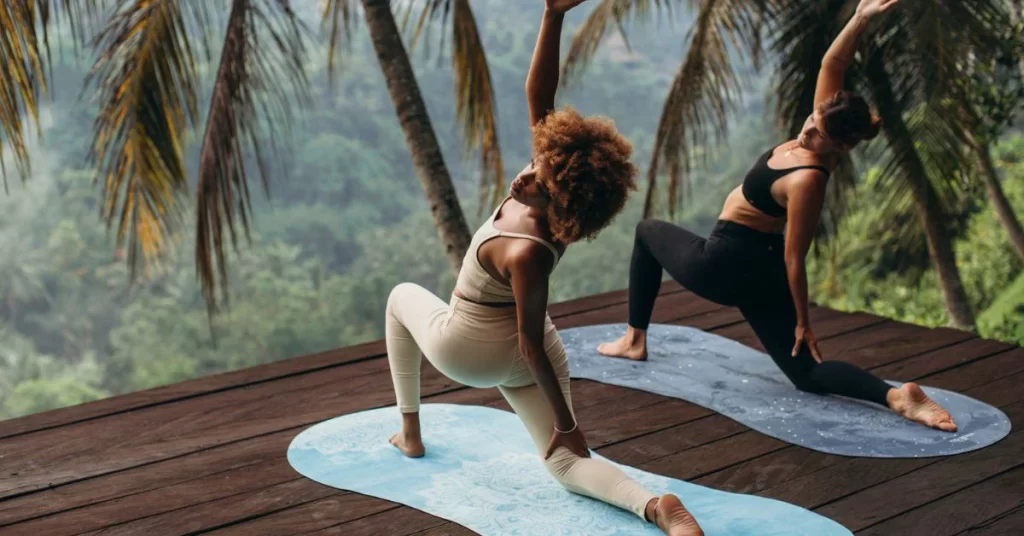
pixel 906 68
pixel 147 79
pixel 991 97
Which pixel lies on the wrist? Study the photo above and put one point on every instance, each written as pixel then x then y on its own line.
pixel 553 14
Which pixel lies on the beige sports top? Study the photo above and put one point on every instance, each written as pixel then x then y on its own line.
pixel 474 282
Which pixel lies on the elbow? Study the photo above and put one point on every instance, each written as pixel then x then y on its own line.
pixel 530 351
pixel 794 261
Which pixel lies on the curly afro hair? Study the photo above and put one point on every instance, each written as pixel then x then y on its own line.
pixel 584 163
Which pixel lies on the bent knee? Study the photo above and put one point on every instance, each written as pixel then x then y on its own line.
pixel 807 385
pixel 645 227
pixel 561 465
pixel 399 293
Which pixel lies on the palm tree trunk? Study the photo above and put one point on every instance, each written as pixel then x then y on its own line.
pixel 997 197
pixel 940 244
pixel 419 133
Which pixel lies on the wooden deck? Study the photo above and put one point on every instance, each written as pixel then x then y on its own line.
pixel 208 456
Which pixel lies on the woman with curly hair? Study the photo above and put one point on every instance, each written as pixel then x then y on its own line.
pixel 748 262
pixel 496 331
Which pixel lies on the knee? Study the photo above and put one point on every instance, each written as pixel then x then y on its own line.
pixel 805 383
pixel 645 228
pixel 397 295
pixel 560 465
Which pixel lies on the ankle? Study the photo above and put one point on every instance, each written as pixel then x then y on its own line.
pixel 651 511
pixel 893 397
pixel 411 425
pixel 636 336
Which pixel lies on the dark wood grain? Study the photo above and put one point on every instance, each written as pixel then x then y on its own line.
pixel 209 456
pixel 269 372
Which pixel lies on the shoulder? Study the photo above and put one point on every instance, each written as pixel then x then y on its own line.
pixel 530 258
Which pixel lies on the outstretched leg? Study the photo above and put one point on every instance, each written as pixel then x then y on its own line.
pixel 414 314
pixel 593 478
pixel 657 246
pixel 772 316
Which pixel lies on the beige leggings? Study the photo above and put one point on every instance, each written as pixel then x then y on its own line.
pixel 478 346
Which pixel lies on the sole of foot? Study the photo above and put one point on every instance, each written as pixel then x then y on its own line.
pixel 913 404
pixel 674 519
pixel 412 449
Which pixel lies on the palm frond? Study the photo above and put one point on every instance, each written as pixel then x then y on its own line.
pixel 474 90
pixel 925 149
pixel 147 86
pixel 27 63
pixel 602 18
pixel 339 20
pixel 261 70
pixel 704 90
pixel 22 82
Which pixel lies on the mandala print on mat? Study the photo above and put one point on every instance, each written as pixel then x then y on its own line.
pixel 515 494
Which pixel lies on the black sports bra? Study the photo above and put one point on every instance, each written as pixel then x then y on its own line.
pixel 757 185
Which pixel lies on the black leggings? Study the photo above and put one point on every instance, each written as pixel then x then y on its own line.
pixel 739 266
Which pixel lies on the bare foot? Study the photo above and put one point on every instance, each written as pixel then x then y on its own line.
pixel 673 518
pixel 632 345
pixel 410 446
pixel 911 402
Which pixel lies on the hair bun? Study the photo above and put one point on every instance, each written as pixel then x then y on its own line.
pixel 873 128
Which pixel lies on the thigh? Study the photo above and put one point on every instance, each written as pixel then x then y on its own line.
pixel 770 311
pixel 693 261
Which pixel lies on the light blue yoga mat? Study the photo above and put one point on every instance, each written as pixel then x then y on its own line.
pixel 482 471
pixel 745 385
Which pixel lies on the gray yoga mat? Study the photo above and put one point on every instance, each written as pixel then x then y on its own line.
pixel 745 385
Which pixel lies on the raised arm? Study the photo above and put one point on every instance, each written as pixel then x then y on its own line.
pixel 839 56
pixel 542 80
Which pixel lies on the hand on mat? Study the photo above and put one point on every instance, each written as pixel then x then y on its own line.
pixel 574 441
pixel 870 8
pixel 561 6
pixel 804 335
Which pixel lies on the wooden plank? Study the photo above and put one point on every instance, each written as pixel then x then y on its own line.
pixel 792 462
pixel 948 358
pixel 200 477
pixel 1009 524
pixel 380 369
pixel 60 455
pixel 961 510
pixel 847 476
pixel 189 433
pixel 622 423
pixel 254 375
pixel 914 488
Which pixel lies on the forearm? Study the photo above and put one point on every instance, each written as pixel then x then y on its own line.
pixel 547 380
pixel 542 80
pixel 796 271
pixel 841 53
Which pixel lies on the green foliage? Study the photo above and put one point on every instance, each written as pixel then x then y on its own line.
pixel 348 222
pixel 864 271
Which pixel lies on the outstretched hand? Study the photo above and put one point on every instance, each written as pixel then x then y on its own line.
pixel 574 441
pixel 804 335
pixel 870 8
pixel 561 6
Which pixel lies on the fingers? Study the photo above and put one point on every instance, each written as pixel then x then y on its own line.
pixel 815 352
pixel 796 347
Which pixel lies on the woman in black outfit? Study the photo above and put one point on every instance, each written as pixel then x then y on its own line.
pixel 755 261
